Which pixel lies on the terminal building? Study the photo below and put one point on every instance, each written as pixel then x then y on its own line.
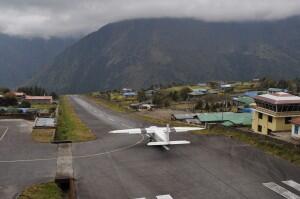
pixel 274 112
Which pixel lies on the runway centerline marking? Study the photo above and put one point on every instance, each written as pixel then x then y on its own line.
pixel 4 133
pixel 168 196
pixel 77 157
pixel 28 160
pixel 110 119
pixel 112 151
pixel 127 126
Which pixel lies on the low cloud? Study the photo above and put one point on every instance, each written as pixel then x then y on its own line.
pixel 30 18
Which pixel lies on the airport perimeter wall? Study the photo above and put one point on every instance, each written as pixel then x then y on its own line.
pixel 261 137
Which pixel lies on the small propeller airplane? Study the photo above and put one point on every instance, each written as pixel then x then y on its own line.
pixel 159 136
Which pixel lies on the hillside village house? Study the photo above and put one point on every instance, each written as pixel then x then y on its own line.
pixel 276 90
pixel 274 112
pixel 296 128
pixel 39 99
pixel 20 95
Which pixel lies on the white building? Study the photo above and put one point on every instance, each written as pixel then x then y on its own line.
pixel 296 128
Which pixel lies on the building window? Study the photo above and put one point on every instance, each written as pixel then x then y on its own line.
pixel 296 132
pixel 270 119
pixel 260 115
pixel 259 128
pixel 288 120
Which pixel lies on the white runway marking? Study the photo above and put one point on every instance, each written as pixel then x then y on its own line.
pixel 293 184
pixel 4 133
pixel 28 160
pixel 164 197
pixel 168 196
pixel 281 191
pixel 112 151
pixel 127 126
pixel 110 119
pixel 77 157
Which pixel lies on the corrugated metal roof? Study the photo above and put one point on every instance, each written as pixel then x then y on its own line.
pixel 234 118
pixel 245 100
pixel 196 93
pixel 277 90
pixel 38 97
pixel 254 93
pixel 184 116
pixel 279 98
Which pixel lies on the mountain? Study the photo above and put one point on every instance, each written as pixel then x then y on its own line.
pixel 138 53
pixel 22 58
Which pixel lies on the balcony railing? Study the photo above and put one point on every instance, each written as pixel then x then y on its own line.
pixel 278 114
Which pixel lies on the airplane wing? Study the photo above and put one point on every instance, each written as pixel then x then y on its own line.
pixel 151 130
pixel 157 143
pixel 182 129
pixel 134 131
pixel 179 142
pixel 168 143
pixel 128 131
pixel 185 129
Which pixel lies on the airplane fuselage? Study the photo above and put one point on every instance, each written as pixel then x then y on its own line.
pixel 159 136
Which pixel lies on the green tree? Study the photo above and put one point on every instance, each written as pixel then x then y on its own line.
pixel 206 107
pixel 166 103
pixel 25 104
pixel 282 84
pixel 184 93
pixel 141 96
pixel 4 90
pixel 174 95
pixel 9 99
pixel 54 95
pixel 34 90
pixel 199 105
pixel 158 99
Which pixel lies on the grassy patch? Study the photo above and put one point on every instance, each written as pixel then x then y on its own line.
pixel 43 106
pixel 109 104
pixel 43 135
pixel 122 109
pixel 70 127
pixel 158 121
pixel 42 191
pixel 267 145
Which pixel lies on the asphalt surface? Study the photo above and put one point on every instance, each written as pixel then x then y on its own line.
pixel 22 161
pixel 121 166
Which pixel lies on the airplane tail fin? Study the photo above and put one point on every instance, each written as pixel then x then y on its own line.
pixel 167 133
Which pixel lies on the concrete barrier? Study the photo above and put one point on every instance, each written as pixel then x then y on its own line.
pixel 262 137
pixel 64 171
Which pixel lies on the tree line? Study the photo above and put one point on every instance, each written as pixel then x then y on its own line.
pixel 8 98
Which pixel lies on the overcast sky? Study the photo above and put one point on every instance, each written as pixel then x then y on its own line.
pixel 48 18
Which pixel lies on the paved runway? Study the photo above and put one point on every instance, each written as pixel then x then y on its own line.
pixel 211 167
pixel 22 161
pixel 121 166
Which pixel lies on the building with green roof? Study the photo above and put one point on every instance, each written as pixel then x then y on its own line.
pixel 226 118
pixel 244 101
